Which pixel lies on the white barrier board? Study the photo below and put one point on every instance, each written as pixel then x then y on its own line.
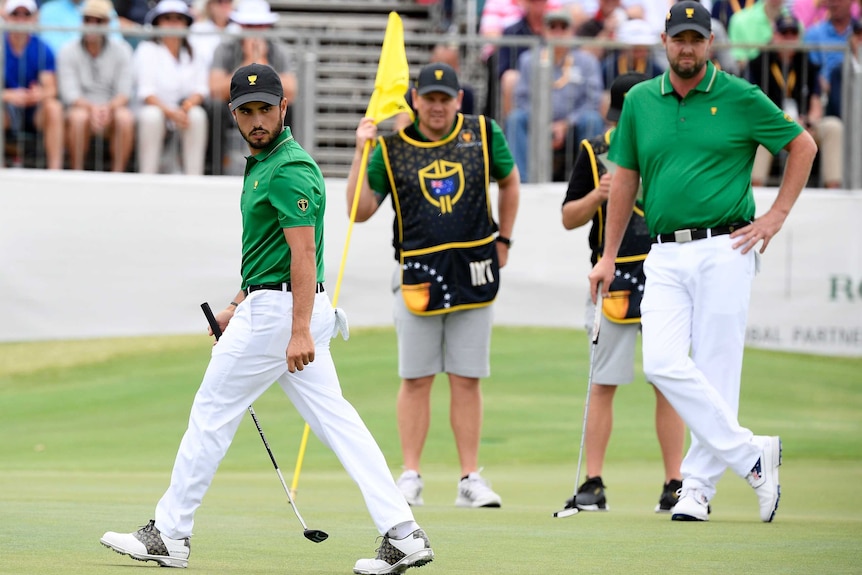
pixel 100 255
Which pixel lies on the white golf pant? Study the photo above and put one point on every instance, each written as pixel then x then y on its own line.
pixel 693 316
pixel 248 358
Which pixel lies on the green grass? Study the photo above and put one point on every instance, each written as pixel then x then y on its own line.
pixel 89 430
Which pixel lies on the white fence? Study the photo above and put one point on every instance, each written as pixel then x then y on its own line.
pixel 87 255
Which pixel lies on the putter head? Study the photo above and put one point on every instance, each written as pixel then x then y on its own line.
pixel 315 535
pixel 568 512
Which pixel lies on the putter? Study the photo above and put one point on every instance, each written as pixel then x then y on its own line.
pixel 597 322
pixel 314 535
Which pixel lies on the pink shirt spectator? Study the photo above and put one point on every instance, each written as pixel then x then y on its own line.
pixel 497 15
pixel 810 12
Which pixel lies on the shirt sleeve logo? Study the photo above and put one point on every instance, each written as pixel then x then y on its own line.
pixel 302 204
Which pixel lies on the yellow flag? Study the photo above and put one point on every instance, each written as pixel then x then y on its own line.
pixel 393 75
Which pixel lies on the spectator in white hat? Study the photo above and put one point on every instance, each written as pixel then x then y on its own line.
pixel 171 88
pixel 252 16
pixel 637 56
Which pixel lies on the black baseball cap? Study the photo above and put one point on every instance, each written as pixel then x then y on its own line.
pixel 688 15
pixel 255 83
pixel 619 89
pixel 787 23
pixel 438 77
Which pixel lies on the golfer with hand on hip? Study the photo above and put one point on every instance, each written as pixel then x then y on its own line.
pixel 691 135
pixel 276 329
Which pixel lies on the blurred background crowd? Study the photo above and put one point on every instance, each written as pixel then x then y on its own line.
pixel 141 85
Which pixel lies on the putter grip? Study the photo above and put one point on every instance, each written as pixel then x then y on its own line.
pixel 211 320
pixel 597 320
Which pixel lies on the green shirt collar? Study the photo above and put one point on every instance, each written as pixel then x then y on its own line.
pixel 284 137
pixel 705 85
pixel 424 138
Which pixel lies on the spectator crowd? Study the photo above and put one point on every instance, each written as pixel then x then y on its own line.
pixel 160 98
pixel 157 103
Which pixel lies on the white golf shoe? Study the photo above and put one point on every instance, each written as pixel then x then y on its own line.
pixel 764 476
pixel 474 491
pixel 692 506
pixel 410 484
pixel 149 544
pixel 397 555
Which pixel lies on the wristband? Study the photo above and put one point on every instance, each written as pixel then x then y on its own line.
pixel 234 304
pixel 504 240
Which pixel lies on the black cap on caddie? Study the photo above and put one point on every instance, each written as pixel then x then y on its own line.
pixel 688 15
pixel 619 89
pixel 255 83
pixel 438 77
pixel 787 23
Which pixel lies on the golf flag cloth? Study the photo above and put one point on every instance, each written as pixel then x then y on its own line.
pixel 393 75
pixel 387 100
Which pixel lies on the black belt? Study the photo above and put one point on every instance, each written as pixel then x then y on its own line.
pixel 283 286
pixel 691 234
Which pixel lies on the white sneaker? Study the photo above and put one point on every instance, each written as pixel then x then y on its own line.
pixel 764 476
pixel 397 555
pixel 692 506
pixel 410 484
pixel 149 544
pixel 474 491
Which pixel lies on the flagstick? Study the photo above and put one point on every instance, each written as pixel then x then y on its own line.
pixel 353 208
pixel 393 77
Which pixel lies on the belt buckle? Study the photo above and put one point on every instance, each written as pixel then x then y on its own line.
pixel 682 236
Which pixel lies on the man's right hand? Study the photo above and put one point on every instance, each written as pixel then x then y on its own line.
pixel 367 131
pixel 602 272
pixel 604 188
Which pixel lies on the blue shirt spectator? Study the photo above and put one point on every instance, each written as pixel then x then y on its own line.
pixel 576 93
pixel 834 33
pixel 30 101
pixel 65 13
pixel 833 104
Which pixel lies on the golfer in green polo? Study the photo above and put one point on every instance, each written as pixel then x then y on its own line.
pixel 691 134
pixel 277 329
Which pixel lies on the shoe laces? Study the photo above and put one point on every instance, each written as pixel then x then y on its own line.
pixel 149 527
pixel 475 483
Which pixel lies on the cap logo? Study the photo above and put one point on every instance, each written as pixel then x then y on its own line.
pixel 252 79
pixel 438 74
pixel 689 12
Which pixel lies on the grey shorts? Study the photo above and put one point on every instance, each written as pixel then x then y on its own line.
pixel 458 342
pixel 615 352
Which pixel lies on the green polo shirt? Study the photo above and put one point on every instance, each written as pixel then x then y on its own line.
pixel 750 26
pixel 502 161
pixel 695 155
pixel 282 188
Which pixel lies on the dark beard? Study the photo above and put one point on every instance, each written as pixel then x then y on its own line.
pixel 688 73
pixel 263 143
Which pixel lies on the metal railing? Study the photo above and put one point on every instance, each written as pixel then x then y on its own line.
pixel 335 76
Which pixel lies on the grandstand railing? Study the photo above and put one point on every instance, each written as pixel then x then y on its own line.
pixel 337 56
